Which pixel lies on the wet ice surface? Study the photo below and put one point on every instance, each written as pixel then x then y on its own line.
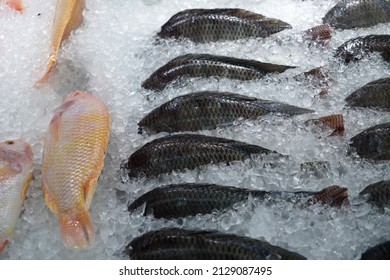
pixel 114 52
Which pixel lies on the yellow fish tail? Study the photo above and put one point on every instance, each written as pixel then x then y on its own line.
pixel 76 228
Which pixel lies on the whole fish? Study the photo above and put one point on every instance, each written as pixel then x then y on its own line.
pixel 73 157
pixel 182 244
pixel 16 166
pixel 375 94
pixel 188 151
pixel 207 65
pixel 211 25
pixel 68 17
pixel 209 110
pixel 174 201
pixel 360 47
pixel 348 14
pixel 17 5
pixel 378 252
pixel 373 143
pixel 378 193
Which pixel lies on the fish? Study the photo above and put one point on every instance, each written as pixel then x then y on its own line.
pixel 378 252
pixel 188 151
pixel 335 122
pixel 16 172
pixel 209 110
pixel 378 193
pixel 375 95
pixel 181 200
pixel 207 65
pixel 73 158
pixel 17 5
pixel 183 244
pixel 360 47
pixel 68 17
pixel 373 143
pixel 212 25
pixel 319 35
pixel 349 14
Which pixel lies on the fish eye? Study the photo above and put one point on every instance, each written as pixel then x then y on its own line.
pixel 10 142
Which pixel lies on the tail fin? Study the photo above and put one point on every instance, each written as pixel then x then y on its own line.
pixel 76 228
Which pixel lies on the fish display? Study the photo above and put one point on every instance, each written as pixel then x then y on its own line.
pixel 378 252
pixel 209 110
pixel 207 65
pixel 375 95
pixel 188 151
pixel 182 244
pixel 211 25
pixel 68 17
pixel 348 14
pixel 175 201
pixel 373 143
pixel 17 5
pixel 360 47
pixel 16 167
pixel 378 193
pixel 73 157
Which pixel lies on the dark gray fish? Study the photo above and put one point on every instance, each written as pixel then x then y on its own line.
pixel 378 252
pixel 206 65
pixel 373 143
pixel 348 14
pixel 378 193
pixel 211 25
pixel 360 47
pixel 188 151
pixel 209 110
pixel 174 201
pixel 375 94
pixel 181 244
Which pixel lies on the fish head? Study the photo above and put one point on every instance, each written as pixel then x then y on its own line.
pixel 17 153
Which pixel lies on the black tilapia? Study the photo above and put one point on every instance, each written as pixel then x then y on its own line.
pixel 211 25
pixel 378 252
pixel 348 14
pixel 181 244
pixel 375 94
pixel 360 47
pixel 174 201
pixel 209 110
pixel 378 193
pixel 188 151
pixel 206 65
pixel 373 143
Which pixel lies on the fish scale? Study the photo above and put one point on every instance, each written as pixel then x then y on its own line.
pixel 187 151
pixel 211 25
pixel 207 65
pixel 209 109
pixel 182 244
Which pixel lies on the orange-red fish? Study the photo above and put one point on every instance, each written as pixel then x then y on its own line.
pixel 73 157
pixel 15 4
pixel 16 166
pixel 68 17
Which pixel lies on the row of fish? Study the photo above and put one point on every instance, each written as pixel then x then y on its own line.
pixel 209 110
pixel 73 157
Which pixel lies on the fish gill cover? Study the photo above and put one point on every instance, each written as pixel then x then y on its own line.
pixel 115 50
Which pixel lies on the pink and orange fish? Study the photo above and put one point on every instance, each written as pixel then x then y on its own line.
pixel 16 167
pixel 73 157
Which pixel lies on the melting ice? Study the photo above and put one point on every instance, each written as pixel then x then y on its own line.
pixel 110 56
